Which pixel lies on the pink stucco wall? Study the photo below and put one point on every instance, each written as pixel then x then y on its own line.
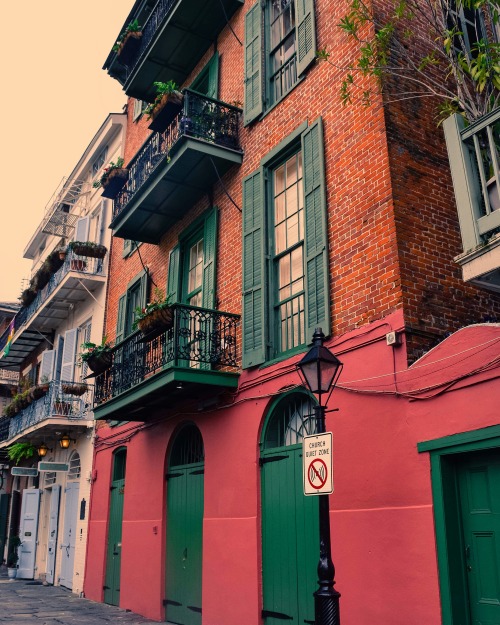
pixel 381 511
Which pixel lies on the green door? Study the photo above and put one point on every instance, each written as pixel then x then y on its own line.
pixel 4 513
pixel 479 480
pixel 185 528
pixel 290 521
pixel 114 547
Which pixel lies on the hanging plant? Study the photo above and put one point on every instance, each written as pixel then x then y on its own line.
pixel 20 451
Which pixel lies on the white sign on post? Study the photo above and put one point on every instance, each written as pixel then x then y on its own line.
pixel 318 464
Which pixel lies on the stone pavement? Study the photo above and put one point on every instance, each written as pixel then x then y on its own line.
pixel 24 602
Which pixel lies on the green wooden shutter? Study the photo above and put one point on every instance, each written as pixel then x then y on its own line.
pixel 254 319
pixel 173 279
pixel 127 247
pixel 213 76
pixel 316 256
pixel 253 63
pixel 143 295
pixel 306 34
pixel 209 258
pixel 120 322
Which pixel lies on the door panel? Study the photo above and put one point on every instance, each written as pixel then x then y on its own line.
pixel 68 542
pixel 53 528
pixel 28 533
pixel 184 544
pixel 4 512
pixel 290 539
pixel 114 551
pixel 478 479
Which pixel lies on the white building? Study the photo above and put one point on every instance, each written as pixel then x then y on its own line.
pixel 63 308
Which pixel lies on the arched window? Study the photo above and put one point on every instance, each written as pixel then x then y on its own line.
pixel 74 466
pixel 187 447
pixel 292 418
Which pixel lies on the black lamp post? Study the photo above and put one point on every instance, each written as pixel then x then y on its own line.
pixel 320 370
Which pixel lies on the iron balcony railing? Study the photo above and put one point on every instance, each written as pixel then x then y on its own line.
pixel 59 401
pixel 72 263
pixel 9 377
pixel 198 339
pixel 149 30
pixel 201 117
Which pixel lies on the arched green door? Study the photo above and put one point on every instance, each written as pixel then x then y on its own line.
pixel 290 521
pixel 185 528
pixel 114 548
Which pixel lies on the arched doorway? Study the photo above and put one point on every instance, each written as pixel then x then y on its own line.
pixel 185 527
pixel 290 521
pixel 114 547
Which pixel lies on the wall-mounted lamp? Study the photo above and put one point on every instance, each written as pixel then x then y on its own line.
pixel 42 450
pixel 65 441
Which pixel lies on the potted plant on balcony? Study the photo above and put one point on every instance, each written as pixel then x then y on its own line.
pixel 13 556
pixel 41 277
pixel 74 388
pixel 88 248
pixel 156 317
pixel 40 390
pixel 27 296
pixel 166 105
pixel 53 262
pixel 113 178
pixel 61 407
pixel 98 357
pixel 128 42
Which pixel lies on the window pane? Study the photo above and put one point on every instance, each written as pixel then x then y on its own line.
pixel 279 180
pixel 279 208
pixel 280 242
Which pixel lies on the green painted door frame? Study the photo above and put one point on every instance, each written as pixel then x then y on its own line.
pixel 447 457
pixel 114 548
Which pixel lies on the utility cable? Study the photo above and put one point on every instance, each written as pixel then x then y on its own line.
pixel 227 22
pixel 224 186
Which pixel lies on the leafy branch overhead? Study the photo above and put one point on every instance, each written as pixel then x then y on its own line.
pixel 413 49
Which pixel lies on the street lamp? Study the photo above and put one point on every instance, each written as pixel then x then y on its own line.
pixel 320 370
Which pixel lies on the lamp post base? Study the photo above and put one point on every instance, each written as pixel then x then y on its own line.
pixel 326 607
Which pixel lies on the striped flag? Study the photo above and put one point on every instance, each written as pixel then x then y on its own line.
pixel 6 349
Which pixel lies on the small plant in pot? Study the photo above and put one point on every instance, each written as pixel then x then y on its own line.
pixel 13 556
pixel 97 357
pixel 41 389
pixel 113 178
pixel 74 388
pixel 128 42
pixel 88 248
pixel 27 296
pixel 156 317
pixel 166 105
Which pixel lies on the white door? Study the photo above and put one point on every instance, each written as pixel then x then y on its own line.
pixel 52 538
pixel 28 533
pixel 69 534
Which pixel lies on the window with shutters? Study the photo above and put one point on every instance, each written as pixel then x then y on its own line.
pixel 134 297
pixel 207 81
pixel 468 23
pixel 285 262
pixel 99 161
pixel 280 44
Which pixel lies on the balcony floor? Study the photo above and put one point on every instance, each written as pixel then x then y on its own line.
pixel 170 192
pixel 167 388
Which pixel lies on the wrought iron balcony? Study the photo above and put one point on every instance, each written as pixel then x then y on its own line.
pixel 199 352
pixel 176 167
pixel 57 408
pixel 174 38
pixel 74 279
pixel 474 155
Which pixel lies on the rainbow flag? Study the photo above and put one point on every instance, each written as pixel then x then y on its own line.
pixel 6 349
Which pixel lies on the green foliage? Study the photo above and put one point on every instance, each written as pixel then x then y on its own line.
pixel 158 302
pixel 132 27
pixel 92 349
pixel 20 451
pixel 107 170
pixel 162 88
pixel 415 49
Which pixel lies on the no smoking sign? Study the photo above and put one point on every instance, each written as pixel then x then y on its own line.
pixel 318 464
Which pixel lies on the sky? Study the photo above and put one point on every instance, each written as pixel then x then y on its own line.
pixel 55 97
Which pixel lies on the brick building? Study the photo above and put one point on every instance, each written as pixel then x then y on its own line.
pixel 264 208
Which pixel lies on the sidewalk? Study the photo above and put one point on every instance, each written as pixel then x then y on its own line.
pixel 25 601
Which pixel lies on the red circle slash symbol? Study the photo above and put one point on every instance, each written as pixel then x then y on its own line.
pixel 317 474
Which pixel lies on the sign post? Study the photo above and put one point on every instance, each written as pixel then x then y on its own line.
pixel 318 464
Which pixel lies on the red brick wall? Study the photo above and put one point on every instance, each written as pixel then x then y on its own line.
pixel 392 224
